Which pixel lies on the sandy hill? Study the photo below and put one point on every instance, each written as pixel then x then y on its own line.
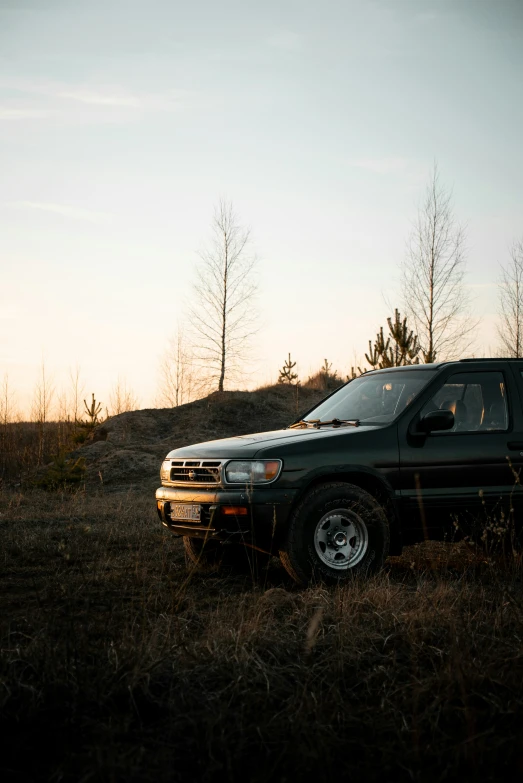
pixel 126 450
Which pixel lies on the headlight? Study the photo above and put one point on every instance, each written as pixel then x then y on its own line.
pixel 252 471
pixel 165 470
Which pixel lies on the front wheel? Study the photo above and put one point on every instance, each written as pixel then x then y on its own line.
pixel 338 530
pixel 203 554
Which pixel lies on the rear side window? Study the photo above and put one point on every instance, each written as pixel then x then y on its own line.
pixel 478 401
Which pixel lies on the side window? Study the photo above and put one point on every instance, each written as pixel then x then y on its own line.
pixel 478 401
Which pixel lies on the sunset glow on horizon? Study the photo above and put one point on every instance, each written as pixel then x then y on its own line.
pixel 122 125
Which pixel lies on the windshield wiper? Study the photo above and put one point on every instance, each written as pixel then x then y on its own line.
pixel 303 423
pixel 320 423
pixel 337 422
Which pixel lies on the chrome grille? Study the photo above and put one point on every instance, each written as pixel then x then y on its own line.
pixel 195 471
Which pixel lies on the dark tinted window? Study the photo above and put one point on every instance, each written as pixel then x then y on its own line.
pixel 478 401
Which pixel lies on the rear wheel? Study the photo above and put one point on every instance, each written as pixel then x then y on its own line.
pixel 338 530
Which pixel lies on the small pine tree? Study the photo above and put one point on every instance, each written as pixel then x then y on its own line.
pixel 355 372
pixel 325 379
pixel 406 346
pixel 326 367
pixel 93 412
pixel 62 473
pixel 403 351
pixel 378 355
pixel 286 373
pixel 84 427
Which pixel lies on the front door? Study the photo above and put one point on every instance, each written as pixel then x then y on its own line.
pixel 456 476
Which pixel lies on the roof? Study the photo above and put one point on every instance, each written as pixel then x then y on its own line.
pixel 409 367
pixel 491 359
pixel 437 365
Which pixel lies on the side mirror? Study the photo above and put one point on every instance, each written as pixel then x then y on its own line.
pixel 435 421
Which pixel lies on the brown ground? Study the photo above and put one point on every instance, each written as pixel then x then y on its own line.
pixel 118 664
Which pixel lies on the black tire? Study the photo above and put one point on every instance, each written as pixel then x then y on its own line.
pixel 210 556
pixel 202 554
pixel 311 551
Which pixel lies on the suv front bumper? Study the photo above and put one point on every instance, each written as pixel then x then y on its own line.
pixel 262 527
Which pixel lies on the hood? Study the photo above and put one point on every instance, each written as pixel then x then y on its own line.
pixel 248 446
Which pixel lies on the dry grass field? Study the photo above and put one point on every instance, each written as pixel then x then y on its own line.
pixel 119 664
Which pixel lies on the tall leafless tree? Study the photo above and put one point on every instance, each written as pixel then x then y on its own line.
pixel 435 297
pixel 510 327
pixel 222 318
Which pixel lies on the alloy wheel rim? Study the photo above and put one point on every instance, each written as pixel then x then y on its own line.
pixel 341 539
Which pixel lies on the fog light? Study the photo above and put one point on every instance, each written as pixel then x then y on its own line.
pixel 237 511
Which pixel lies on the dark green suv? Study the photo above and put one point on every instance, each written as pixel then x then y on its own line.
pixel 393 457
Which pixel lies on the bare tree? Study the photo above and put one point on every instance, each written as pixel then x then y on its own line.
pixel 223 318
pixel 76 392
pixel 177 382
pixel 7 404
pixel 510 328
pixel 7 416
pixel 121 398
pixel 63 421
pixel 41 408
pixel 435 296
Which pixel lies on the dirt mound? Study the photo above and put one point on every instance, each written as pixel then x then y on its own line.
pixel 127 449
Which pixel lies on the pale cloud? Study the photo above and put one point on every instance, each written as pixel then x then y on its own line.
pixel 76 213
pixel 286 40
pixel 100 98
pixel 99 95
pixel 120 99
pixel 7 113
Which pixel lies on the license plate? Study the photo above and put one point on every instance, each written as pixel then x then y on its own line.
pixel 185 511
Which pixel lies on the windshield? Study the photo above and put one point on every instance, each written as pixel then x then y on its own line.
pixel 375 398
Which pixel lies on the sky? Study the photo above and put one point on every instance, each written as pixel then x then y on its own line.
pixel 123 122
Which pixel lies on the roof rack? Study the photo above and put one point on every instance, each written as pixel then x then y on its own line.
pixel 491 359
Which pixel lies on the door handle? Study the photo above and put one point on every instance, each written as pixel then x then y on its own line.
pixel 515 445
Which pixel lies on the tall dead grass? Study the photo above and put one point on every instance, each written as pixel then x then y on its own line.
pixel 118 664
